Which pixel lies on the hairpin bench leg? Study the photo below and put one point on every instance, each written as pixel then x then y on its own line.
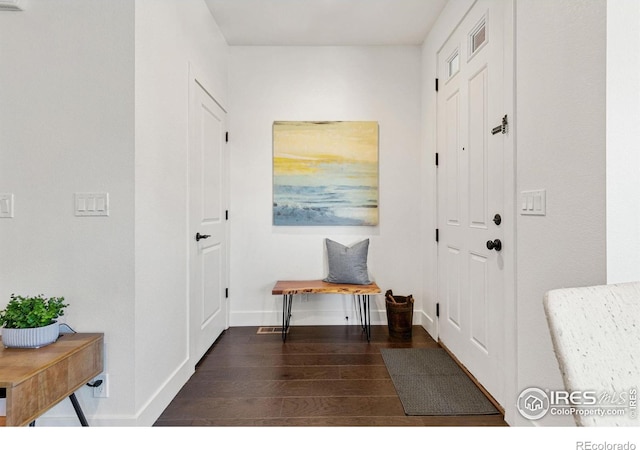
pixel 365 314
pixel 368 320
pixel 287 301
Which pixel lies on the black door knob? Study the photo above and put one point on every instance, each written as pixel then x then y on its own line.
pixel 494 245
pixel 202 236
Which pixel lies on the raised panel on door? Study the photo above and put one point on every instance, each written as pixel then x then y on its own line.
pixel 212 165
pixel 451 160
pixel 211 299
pixel 477 150
pixel 478 300
pixel 453 300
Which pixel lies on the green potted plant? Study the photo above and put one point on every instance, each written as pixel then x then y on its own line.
pixel 30 322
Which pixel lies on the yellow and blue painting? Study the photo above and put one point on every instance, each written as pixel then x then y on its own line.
pixel 325 173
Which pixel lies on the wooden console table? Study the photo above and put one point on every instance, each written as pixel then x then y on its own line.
pixel 288 288
pixel 36 379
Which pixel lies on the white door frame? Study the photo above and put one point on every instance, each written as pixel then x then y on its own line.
pixel 511 215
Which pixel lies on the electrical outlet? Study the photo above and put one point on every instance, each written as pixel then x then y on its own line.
pixel 101 391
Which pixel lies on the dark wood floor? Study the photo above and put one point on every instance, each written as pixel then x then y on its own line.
pixel 321 376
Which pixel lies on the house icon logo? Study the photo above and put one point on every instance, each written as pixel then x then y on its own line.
pixel 533 403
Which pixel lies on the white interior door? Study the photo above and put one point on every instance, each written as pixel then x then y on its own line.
pixel 471 193
pixel 208 236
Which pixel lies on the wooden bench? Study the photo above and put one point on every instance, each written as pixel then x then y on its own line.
pixel 288 288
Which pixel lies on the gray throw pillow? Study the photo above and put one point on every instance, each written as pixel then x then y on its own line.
pixel 348 265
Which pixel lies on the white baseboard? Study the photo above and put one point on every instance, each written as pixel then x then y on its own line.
pixel 144 417
pixel 149 413
pixel 308 317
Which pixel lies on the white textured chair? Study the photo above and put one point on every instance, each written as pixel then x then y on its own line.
pixel 596 338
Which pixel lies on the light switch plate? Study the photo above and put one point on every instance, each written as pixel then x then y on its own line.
pixel 533 203
pixel 6 206
pixel 92 204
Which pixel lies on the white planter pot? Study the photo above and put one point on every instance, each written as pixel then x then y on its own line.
pixel 30 337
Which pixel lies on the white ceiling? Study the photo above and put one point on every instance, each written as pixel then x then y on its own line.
pixel 325 22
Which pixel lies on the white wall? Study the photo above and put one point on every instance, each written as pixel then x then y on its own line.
pixel 560 133
pixel 623 141
pixel 171 37
pixel 67 115
pixel 321 83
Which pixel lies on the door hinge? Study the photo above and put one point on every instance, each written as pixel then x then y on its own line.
pixel 436 85
pixel 437 160
pixel 226 292
pixel 437 309
pixel 437 235
pixel 502 128
pixel 226 136
pixel 226 215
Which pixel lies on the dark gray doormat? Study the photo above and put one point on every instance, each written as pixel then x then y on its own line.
pixel 430 383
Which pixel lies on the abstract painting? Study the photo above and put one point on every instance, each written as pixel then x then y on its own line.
pixel 325 173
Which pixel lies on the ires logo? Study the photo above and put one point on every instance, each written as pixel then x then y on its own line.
pixel 534 403
pixel 573 398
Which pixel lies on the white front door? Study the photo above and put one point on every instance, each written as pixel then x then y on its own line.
pixel 471 193
pixel 208 205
